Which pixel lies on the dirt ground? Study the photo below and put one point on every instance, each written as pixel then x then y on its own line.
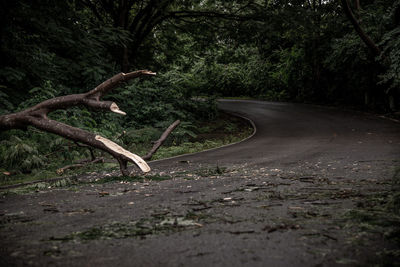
pixel 312 187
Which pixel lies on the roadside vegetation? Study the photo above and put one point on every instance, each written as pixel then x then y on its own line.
pixel 222 130
pixel 299 51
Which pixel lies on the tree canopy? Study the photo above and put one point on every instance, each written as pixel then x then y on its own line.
pixel 335 52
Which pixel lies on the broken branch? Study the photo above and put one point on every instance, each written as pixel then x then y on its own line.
pixel 160 141
pixel 36 116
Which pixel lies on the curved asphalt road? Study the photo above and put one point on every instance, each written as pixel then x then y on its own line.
pixel 280 202
pixel 291 133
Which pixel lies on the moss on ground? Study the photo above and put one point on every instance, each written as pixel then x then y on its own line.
pixel 133 229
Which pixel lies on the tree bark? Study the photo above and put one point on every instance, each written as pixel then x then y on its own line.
pixel 364 37
pixel 148 156
pixel 36 116
pixel 160 141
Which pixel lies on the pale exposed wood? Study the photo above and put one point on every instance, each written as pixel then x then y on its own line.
pixel 36 116
pixel 114 108
pixel 118 149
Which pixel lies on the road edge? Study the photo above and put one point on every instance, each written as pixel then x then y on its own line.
pixel 55 179
pixel 215 148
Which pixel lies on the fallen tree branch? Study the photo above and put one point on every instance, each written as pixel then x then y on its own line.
pixel 36 116
pixel 160 141
pixel 156 146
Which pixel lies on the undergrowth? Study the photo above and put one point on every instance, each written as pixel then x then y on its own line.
pixel 185 139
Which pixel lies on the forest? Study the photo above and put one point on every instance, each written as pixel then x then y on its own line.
pixel 329 52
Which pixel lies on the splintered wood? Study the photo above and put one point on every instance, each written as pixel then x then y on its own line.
pixel 118 149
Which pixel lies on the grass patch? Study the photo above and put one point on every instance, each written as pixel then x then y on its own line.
pixel 226 130
pixel 51 173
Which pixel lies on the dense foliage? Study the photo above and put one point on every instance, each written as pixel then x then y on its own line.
pixel 285 50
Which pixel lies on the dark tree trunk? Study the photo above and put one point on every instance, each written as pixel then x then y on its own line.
pixel 366 39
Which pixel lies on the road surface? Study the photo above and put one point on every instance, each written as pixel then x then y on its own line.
pixel 280 198
pixel 291 133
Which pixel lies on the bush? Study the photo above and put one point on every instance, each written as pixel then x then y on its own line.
pixel 20 155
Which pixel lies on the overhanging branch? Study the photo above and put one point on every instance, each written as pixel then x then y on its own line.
pixel 36 116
